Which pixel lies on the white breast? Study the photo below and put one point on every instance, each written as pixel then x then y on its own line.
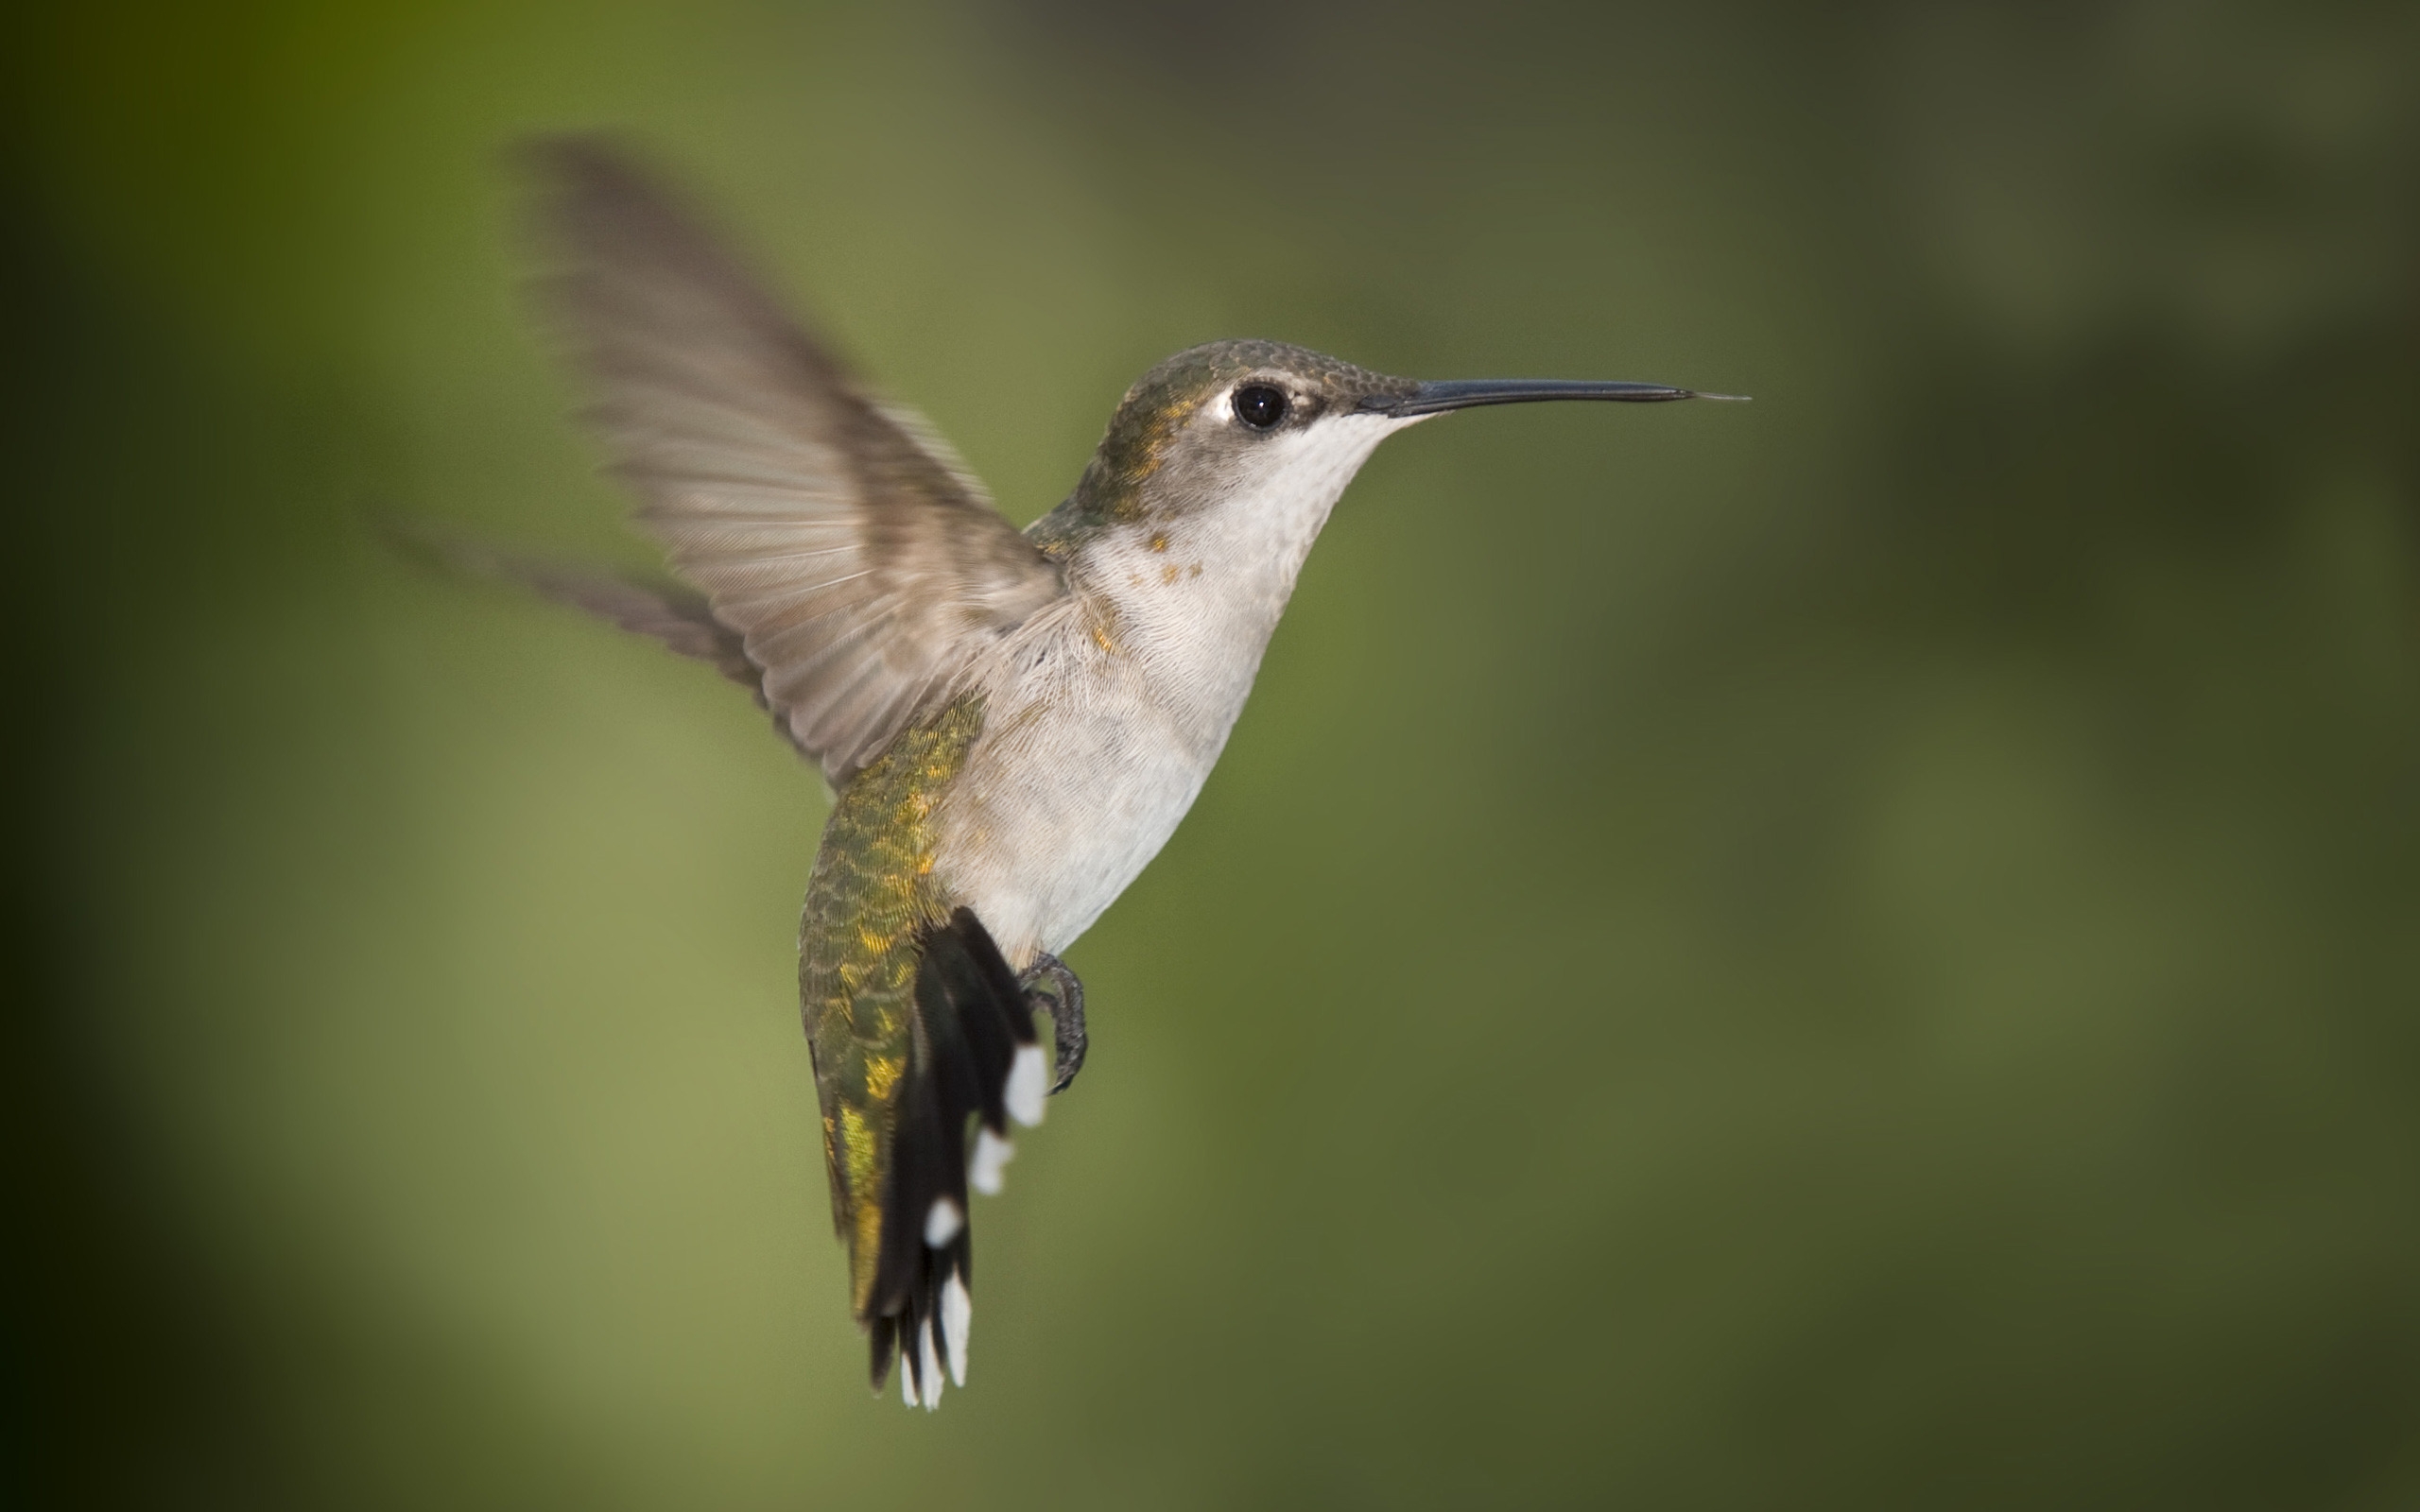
pixel 1104 713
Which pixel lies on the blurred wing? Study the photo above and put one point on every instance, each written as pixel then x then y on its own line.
pixel 858 563
pixel 680 619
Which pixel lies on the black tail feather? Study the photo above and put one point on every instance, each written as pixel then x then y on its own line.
pixel 972 1019
pixel 880 1335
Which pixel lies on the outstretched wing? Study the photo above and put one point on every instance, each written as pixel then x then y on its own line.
pixel 858 563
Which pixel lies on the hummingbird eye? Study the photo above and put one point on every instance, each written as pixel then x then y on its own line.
pixel 1260 406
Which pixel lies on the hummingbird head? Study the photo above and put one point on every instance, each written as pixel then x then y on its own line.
pixel 1251 442
pixel 1227 420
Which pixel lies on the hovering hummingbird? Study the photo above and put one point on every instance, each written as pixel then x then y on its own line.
pixel 1011 722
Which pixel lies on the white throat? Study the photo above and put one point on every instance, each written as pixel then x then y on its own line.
pixel 1105 714
pixel 1201 595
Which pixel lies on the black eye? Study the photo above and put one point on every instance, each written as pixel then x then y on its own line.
pixel 1259 406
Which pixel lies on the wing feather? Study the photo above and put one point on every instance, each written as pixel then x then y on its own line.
pixel 848 549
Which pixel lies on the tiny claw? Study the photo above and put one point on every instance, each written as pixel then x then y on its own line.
pixel 1052 987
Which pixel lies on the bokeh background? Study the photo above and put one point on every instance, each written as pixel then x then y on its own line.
pixel 1857 950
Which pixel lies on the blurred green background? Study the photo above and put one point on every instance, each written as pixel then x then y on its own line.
pixel 1857 950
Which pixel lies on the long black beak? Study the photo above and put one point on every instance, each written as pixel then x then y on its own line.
pixel 1465 393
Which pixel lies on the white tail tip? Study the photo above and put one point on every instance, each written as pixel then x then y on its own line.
pixel 958 1315
pixel 992 1153
pixel 941 1223
pixel 932 1366
pixel 1028 1081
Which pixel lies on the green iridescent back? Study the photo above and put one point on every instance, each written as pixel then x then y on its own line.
pixel 870 896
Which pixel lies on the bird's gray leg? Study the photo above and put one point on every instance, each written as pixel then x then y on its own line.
pixel 1052 987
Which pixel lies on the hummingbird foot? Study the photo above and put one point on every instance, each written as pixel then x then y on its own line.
pixel 1055 989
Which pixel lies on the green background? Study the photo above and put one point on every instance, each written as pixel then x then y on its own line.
pixel 1860 950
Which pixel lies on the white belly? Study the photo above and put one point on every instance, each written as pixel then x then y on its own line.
pixel 1104 712
pixel 1092 750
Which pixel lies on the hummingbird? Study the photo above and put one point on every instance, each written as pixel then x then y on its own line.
pixel 1011 722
